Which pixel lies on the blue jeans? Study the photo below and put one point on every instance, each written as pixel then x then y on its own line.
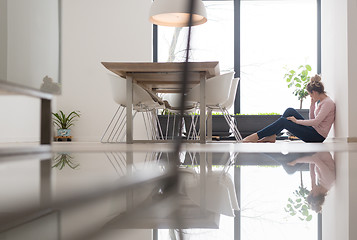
pixel 305 133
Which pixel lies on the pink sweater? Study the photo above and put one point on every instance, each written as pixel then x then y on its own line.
pixel 322 117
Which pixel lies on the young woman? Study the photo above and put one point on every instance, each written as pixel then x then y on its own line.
pixel 315 129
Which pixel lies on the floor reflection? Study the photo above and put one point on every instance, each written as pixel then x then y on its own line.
pixel 275 192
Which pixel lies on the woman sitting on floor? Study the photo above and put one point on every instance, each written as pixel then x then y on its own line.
pixel 314 129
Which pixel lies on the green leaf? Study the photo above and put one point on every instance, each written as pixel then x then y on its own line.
pixel 298 85
pixel 309 218
pixel 297 206
pixel 305 212
pixel 308 67
pixel 292 72
pixel 62 121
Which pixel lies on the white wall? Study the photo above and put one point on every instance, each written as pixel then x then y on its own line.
pixel 94 31
pixel 339 59
pixel 352 65
pixel 3 39
pixel 334 60
pixel 20 119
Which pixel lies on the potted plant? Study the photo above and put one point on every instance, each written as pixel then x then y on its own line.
pixel 298 79
pixel 220 127
pixel 166 123
pixel 63 123
pixel 250 123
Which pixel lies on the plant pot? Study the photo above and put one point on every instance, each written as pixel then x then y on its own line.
pixel 167 125
pixel 219 125
pixel 249 124
pixel 63 132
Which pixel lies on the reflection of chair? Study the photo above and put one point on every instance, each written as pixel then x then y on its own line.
pixel 219 193
pixel 217 189
pixel 220 95
pixel 142 102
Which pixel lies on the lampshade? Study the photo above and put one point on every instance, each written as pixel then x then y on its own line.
pixel 176 13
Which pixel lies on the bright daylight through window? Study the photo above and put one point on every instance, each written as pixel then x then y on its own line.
pixel 275 37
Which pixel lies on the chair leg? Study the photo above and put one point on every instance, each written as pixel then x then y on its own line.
pixel 231 124
pixel 167 126
pixel 157 124
pixel 146 124
pixel 102 140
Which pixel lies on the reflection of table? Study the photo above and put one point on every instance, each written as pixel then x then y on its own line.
pixel 163 78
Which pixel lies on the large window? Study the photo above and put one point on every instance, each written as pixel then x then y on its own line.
pixel 275 35
pixel 212 41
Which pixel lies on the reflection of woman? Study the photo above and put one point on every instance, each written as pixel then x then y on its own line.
pixel 314 129
pixel 322 172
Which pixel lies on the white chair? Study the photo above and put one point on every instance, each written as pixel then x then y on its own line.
pixel 142 102
pixel 227 105
pixel 217 90
pixel 172 103
pixel 220 95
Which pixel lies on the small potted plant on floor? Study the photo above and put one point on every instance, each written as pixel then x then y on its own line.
pixel 63 123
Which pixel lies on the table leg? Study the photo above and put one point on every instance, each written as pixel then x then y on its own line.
pixel 45 182
pixel 203 178
pixel 203 109
pixel 209 124
pixel 129 109
pixel 129 172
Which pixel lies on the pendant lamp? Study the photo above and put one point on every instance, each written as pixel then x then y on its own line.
pixel 176 13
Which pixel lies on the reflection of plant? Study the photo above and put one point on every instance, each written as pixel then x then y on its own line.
pixel 63 159
pixel 299 206
pixel 299 79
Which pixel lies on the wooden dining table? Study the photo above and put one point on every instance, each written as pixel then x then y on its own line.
pixel 163 77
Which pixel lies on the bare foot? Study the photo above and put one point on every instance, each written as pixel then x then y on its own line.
pixel 253 138
pixel 269 139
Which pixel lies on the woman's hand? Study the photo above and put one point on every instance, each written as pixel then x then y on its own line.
pixel 292 118
pixel 313 101
pixel 292 163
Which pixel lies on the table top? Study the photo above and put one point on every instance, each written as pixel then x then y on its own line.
pixel 163 77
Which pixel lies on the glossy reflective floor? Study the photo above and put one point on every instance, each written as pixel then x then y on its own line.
pixel 217 190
